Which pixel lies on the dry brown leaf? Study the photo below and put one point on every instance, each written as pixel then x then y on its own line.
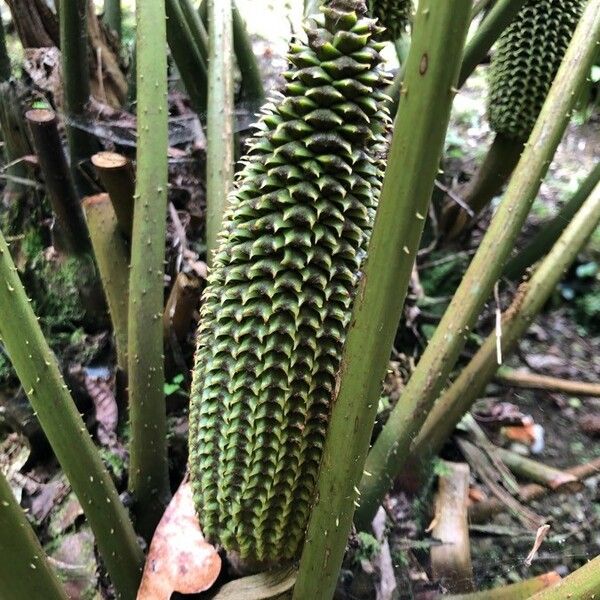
pixel 540 536
pixel 179 558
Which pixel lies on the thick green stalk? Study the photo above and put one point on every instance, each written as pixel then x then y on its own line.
pixel 40 376
pixel 113 16
pixel 5 68
pixel 485 185
pixel 542 241
pixel 529 300
pixel 252 85
pixel 477 47
pixel 219 118
pixel 390 451
pixel 24 569
pixel 583 584
pixel 76 85
pixel 149 475
pixel 196 26
pixel 431 71
pixel 14 136
pixel 498 19
pixel 515 591
pixel 112 258
pixel 187 54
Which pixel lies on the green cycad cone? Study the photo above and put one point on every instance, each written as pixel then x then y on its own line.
pixel 526 61
pixel 278 299
pixel 394 15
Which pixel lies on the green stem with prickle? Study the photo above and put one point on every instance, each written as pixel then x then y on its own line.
pixel 113 16
pixel 219 118
pixel 5 68
pixel 459 397
pixel 489 31
pixel 24 569
pixel 148 472
pixel 76 85
pixel 498 19
pixel 112 258
pixel 197 27
pixel 187 55
pixel 390 451
pixel 252 85
pixel 550 232
pixel 521 590
pixel 14 135
pixel 431 71
pixel 486 184
pixel 40 376
pixel 582 584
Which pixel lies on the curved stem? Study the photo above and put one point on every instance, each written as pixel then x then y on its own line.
pixel 431 70
pixel 549 232
pixel 529 300
pixel 582 584
pixel 389 454
pixel 24 569
pixel 40 376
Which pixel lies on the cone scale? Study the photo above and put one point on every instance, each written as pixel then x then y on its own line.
pixel 279 295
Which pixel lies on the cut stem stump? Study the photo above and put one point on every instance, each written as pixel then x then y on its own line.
pixel 112 257
pixel 451 560
pixel 118 178
pixel 43 125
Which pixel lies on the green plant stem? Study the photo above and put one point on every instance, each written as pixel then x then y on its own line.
pixel 498 19
pixel 113 16
pixel 43 125
pixel 390 451
pixel 486 184
pixel 431 70
pixel 76 85
pixel 40 376
pixel 582 584
pixel 148 475
pixel 529 300
pixel 118 178
pixel 24 569
pixel 112 258
pixel 5 67
pixel 515 591
pixel 197 27
pixel 532 470
pixel 187 55
pixel 549 232
pixel 252 85
pixel 219 118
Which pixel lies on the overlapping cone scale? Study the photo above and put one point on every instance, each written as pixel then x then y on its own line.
pixel 394 15
pixel 525 63
pixel 278 299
